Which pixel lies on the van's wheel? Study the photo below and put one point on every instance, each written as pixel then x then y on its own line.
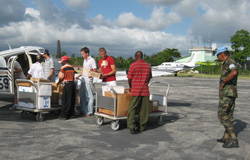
pixel 100 121
pixel 159 121
pixel 39 117
pixel 115 125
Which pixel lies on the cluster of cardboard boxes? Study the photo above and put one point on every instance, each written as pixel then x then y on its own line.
pixel 56 98
pixel 122 104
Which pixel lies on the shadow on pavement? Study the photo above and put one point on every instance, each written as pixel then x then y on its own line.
pixel 179 104
pixel 239 126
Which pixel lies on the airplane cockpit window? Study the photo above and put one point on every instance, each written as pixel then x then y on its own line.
pixel 34 51
pixel 41 50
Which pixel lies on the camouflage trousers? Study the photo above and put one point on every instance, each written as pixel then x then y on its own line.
pixel 225 112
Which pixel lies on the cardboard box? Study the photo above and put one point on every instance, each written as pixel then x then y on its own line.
pixel 95 74
pixel 60 95
pixel 56 88
pixel 36 80
pixel 77 100
pixel 154 105
pixel 122 103
pixel 27 84
pixel 106 111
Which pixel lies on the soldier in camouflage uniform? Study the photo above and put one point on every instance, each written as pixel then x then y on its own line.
pixel 227 95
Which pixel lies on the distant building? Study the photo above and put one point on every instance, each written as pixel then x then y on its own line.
pixel 205 55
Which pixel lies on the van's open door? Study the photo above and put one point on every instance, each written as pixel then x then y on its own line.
pixel 7 74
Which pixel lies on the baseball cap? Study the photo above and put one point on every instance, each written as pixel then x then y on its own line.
pixel 221 49
pixel 64 58
pixel 45 51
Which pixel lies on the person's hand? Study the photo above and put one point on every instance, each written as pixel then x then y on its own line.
pixel 49 78
pixel 222 86
pixel 77 77
pixel 57 84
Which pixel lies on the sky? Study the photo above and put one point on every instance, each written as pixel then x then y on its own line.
pixel 121 26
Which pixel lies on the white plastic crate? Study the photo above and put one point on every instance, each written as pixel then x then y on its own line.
pixel 44 89
pixel 43 103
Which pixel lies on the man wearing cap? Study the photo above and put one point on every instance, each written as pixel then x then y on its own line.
pixel 67 76
pixel 36 69
pixel 49 72
pixel 86 90
pixel 227 95
pixel 107 67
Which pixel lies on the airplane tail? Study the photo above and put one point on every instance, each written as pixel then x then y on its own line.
pixel 192 60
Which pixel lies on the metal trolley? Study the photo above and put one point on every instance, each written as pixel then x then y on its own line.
pixel 110 103
pixel 29 101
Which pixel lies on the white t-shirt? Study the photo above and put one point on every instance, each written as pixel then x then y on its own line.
pixel 36 70
pixel 87 66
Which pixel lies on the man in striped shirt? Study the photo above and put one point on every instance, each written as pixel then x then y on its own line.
pixel 49 71
pixel 67 76
pixel 139 75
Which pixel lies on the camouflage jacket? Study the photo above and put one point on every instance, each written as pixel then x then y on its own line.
pixel 230 88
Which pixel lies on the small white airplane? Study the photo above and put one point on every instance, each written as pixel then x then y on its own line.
pixel 174 67
pixel 25 55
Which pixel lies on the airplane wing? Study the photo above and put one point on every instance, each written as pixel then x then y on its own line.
pixel 121 75
pixel 17 51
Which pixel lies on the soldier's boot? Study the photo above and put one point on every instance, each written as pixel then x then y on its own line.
pixel 224 139
pixel 231 144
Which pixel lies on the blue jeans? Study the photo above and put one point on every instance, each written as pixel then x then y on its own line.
pixel 86 97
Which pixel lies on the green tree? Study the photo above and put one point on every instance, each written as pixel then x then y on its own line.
pixel 241 44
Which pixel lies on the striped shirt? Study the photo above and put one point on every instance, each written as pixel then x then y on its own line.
pixel 48 65
pixel 67 73
pixel 140 73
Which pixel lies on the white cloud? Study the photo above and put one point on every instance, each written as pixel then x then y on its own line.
pixel 32 12
pixel 222 22
pixel 99 20
pixel 82 4
pixel 159 20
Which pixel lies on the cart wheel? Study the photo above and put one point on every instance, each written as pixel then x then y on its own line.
pixel 39 117
pixel 115 125
pixel 76 111
pixel 100 121
pixel 159 120
pixel 25 114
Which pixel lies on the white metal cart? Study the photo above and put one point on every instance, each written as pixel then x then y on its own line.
pixel 34 98
pixel 110 103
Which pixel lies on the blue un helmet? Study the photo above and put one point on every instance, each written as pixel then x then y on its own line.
pixel 221 49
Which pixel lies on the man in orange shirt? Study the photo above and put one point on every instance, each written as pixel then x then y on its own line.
pixel 67 76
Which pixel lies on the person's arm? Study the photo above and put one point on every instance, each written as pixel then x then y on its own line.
pixel 112 72
pixel 18 70
pixel 79 75
pixel 28 76
pixel 231 75
pixel 59 82
pixel 51 73
pixel 130 84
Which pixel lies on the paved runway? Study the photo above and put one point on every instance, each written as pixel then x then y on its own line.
pixel 189 131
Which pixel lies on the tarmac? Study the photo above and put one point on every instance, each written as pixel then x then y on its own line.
pixel 189 131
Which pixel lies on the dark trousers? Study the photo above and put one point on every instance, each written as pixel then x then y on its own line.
pixel 68 99
pixel 142 104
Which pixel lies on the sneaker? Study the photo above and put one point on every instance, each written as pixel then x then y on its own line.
pixel 13 107
pixel 231 144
